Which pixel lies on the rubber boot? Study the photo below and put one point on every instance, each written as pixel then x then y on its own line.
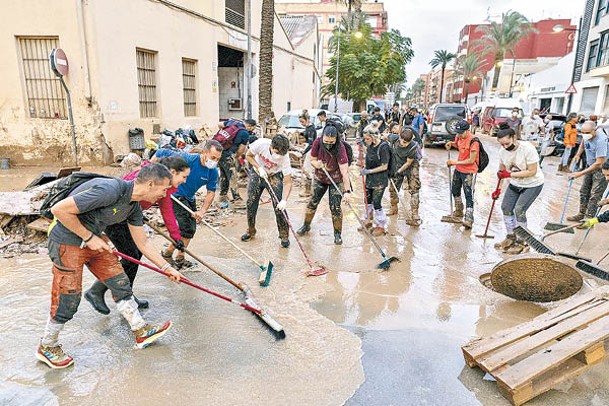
pixel 458 213
pixel 251 233
pixel 95 296
pixel 141 303
pixel 394 207
pixel 306 227
pixel 338 240
pixel 414 219
pixel 468 221
pixel 307 188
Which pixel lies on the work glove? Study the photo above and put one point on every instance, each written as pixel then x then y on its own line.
pixel 590 222
pixel 365 172
pixel 282 205
pixel 451 163
pixel 448 145
pixel 504 174
pixel 495 195
pixel 179 244
pixel 262 173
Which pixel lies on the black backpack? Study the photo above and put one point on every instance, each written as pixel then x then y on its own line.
pixel 392 164
pixel 482 156
pixel 337 123
pixel 349 150
pixel 64 187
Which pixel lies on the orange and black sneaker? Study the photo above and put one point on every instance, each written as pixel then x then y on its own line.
pixel 149 334
pixel 54 356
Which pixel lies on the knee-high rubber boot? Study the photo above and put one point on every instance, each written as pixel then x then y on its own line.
pixel 414 219
pixel 306 227
pixel 458 213
pixel 394 207
pixel 95 296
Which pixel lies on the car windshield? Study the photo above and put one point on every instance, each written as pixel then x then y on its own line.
pixel 290 121
pixel 503 112
pixel 446 113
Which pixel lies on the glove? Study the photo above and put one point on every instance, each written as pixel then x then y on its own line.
pixel 179 244
pixel 495 195
pixel 365 172
pixel 504 174
pixel 282 205
pixel 590 222
pixel 262 173
pixel 451 163
pixel 448 145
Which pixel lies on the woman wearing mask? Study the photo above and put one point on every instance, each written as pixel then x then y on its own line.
pixel 309 134
pixel 547 137
pixel 329 153
pixel 518 162
pixel 378 155
pixel 121 237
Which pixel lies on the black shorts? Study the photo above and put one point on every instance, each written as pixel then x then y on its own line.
pixel 187 223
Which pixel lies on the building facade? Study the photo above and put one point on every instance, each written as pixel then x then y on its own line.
pixel 142 63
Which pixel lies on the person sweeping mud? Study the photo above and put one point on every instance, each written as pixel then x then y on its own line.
pixel 330 154
pixel 518 161
pixel 407 155
pixel 466 166
pixel 75 240
pixel 123 241
pixel 603 217
pixel 203 172
pixel 378 156
pixel 270 165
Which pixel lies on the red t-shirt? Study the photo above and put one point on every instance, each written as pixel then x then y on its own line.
pixel 466 146
pixel 331 161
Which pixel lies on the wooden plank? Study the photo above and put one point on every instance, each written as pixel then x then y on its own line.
pixel 40 224
pixel 547 358
pixel 477 348
pixel 509 353
pixel 593 354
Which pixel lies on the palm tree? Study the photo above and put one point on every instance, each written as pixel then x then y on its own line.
pixel 265 96
pixel 417 88
pixel 443 58
pixel 469 68
pixel 501 38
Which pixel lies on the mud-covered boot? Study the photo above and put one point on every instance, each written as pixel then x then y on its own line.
pixel 378 231
pixel 576 217
pixel 458 212
pixel 306 227
pixel 510 239
pixel 468 221
pixel 394 208
pixel 414 219
pixel 95 296
pixel 141 303
pixel 519 247
pixel 338 240
pixel 251 233
pixel 307 188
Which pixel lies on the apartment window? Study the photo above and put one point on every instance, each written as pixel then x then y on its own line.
pixel 234 13
pixel 146 82
pixel 603 9
pixel 45 95
pixel 332 19
pixel 592 55
pixel 189 80
pixel 603 51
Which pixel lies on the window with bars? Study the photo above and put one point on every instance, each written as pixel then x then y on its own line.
pixel 45 95
pixel 234 13
pixel 189 80
pixel 146 82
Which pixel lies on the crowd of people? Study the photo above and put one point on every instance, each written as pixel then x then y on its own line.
pixel 105 214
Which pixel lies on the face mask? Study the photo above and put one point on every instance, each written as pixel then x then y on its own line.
pixel 514 114
pixel 587 137
pixel 211 164
pixel 536 116
pixel 275 156
pixel 546 121
pixel 511 147
pixel 327 146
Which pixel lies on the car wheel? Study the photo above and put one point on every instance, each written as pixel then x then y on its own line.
pixel 451 125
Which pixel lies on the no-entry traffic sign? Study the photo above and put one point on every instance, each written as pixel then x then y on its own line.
pixel 59 62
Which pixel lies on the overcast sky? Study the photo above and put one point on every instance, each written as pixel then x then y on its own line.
pixel 435 24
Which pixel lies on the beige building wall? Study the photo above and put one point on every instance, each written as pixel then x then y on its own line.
pixel 112 31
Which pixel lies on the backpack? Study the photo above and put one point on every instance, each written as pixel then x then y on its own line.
pixel 63 188
pixel 392 164
pixel 483 159
pixel 418 150
pixel 349 150
pixel 226 135
pixel 337 123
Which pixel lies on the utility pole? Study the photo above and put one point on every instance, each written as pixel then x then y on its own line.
pixel 336 79
pixel 248 64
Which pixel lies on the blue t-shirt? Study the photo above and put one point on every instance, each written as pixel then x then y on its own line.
pixel 200 175
pixel 596 147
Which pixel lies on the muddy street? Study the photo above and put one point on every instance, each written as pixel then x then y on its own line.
pixel 355 336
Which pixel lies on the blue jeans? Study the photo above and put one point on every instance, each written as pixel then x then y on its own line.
pixel 564 160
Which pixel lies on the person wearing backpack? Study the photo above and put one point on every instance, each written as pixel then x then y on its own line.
pixel 329 152
pixel 234 136
pixel 376 173
pixel 518 162
pixel 309 134
pixel 466 166
pixel 419 123
pixel 407 154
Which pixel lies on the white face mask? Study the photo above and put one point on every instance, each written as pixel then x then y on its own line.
pixel 514 114
pixel 546 121
pixel 211 164
pixel 536 116
pixel 275 156
pixel 587 137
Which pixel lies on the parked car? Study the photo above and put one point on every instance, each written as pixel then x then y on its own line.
pixel 442 127
pixel 291 123
pixel 493 116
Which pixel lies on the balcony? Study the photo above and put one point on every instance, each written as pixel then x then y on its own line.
pixel 234 13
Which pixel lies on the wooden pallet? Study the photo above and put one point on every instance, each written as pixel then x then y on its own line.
pixel 533 357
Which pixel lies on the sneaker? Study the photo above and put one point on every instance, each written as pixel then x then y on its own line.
pixel 54 357
pixel 285 243
pixel 577 217
pixel 148 334
pixel 182 263
pixel 223 205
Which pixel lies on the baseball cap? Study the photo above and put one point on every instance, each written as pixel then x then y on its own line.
pixel 461 127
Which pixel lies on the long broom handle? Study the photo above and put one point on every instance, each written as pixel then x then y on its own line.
pixel 561 230
pixel 217 232
pixel 378 247
pixel 361 164
pixel 598 211
pixel 189 283
pixel 564 206
pixel 450 185
pixel 488 222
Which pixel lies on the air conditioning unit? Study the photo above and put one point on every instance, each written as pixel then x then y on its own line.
pixel 235 104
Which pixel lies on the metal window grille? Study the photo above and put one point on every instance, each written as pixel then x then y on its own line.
pixel 235 13
pixel 146 82
pixel 45 95
pixel 189 79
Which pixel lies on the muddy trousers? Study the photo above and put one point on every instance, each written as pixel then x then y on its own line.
pixel 412 180
pixel 374 195
pixel 334 197
pixel 591 192
pixel 516 202
pixel 463 181
pixel 226 165
pixel 255 187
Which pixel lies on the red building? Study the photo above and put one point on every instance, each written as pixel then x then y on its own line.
pixel 543 43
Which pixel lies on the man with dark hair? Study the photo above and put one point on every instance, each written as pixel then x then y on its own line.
pixel 75 240
pixel 406 153
pixel 394 115
pixel 322 117
pixel 270 168
pixel 378 117
pixel 234 136
pixel 363 123
pixel 203 172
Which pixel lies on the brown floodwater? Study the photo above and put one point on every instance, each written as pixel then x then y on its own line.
pixel 356 336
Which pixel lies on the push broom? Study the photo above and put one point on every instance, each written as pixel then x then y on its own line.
pixel 561 225
pixel 249 304
pixel 265 271
pixel 386 261
pixel 488 222
pixel 540 246
pixel 594 269
pixel 313 271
